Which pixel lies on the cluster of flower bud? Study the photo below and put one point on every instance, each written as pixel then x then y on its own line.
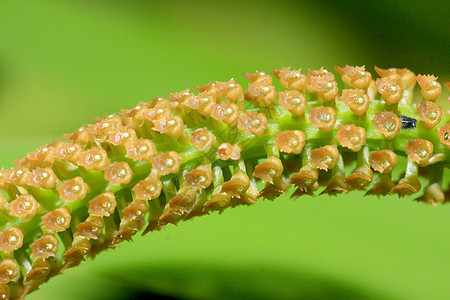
pixel 170 160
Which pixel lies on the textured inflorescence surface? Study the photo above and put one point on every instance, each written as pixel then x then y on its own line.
pixel 171 159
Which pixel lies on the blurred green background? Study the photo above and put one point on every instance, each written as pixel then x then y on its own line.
pixel 63 62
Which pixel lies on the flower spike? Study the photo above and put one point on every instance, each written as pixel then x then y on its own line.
pixel 220 146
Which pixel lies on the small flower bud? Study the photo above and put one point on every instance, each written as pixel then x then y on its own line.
pixel 167 162
pixel 407 186
pixel 419 151
pixel 73 189
pixel 230 90
pixel 227 151
pixel 429 113
pixel 173 126
pixel 269 170
pixel 355 77
pixel 261 93
pixel 57 220
pixel 357 100
pixel 103 205
pixel 44 247
pixel 226 112
pixel 360 178
pixel 94 159
pixel 203 139
pixel 161 108
pixel 11 239
pixel 184 200
pixel 9 270
pixel 351 137
pixel 40 269
pixel 80 247
pixel 290 141
pixel 142 149
pixel 323 117
pixel 237 185
pixel 105 125
pixel 325 86
pixel 293 101
pixel 219 200
pixel 383 161
pixel 179 206
pixel 42 177
pixel 118 173
pixel 291 79
pixel 199 178
pixel 325 158
pixel 135 212
pixel 69 151
pixel 122 136
pixel 431 89
pixel 252 122
pixel 92 228
pixel 390 91
pixel 24 206
pixel 170 217
pixel 387 123
pixel 306 178
pixel 444 135
pixel 202 102
pixel 149 188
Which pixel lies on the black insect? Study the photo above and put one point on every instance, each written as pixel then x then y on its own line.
pixel 408 122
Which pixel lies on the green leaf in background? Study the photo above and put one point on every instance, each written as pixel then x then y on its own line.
pixel 63 62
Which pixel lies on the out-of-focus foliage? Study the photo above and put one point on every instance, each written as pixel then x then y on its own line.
pixel 64 62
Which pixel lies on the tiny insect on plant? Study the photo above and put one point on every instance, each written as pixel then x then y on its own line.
pixel 173 159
